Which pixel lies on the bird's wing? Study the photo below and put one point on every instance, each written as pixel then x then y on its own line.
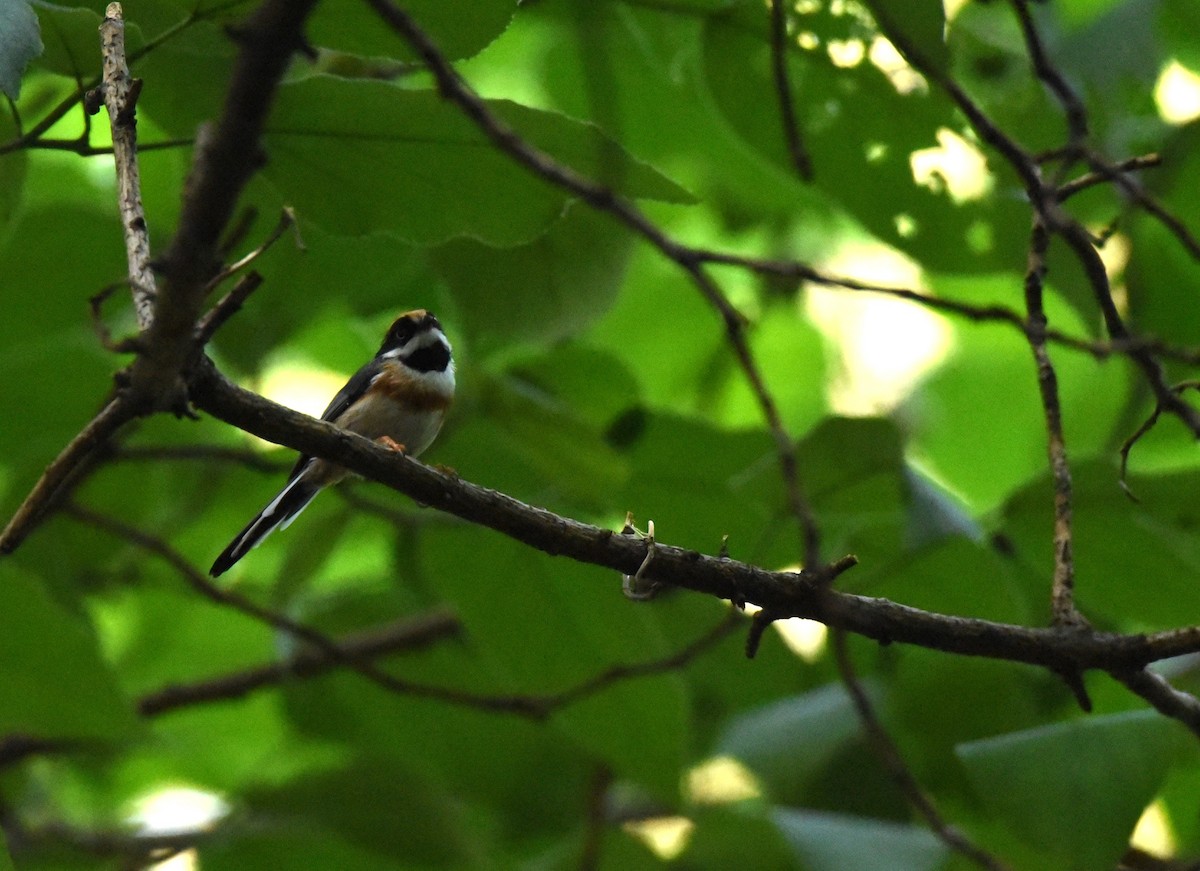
pixel 343 399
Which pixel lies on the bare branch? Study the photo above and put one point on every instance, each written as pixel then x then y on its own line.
pixel 412 633
pixel 1044 200
pixel 120 96
pixel 1063 594
pixel 1167 700
pixel 783 594
pixel 1115 173
pixel 226 307
pixel 1052 77
pixel 671 662
pixel 783 89
pixel 199 582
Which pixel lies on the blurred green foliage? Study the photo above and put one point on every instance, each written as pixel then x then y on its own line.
pixel 595 380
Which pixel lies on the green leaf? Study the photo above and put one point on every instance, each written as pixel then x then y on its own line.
pixel 13 172
pixel 72 40
pixel 786 742
pixel 356 801
pixel 20 42
pixel 1178 26
pixel 919 25
pixel 297 847
pixel 53 259
pixel 552 442
pixel 722 833
pixel 365 156
pixel 990 381
pixel 782 342
pixel 854 476
pixel 857 124
pixel 1080 13
pixel 555 626
pixel 458 29
pixel 834 842
pixel 699 483
pixel 54 684
pixel 1074 790
pixel 549 289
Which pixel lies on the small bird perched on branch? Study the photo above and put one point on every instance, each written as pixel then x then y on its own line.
pixel 399 399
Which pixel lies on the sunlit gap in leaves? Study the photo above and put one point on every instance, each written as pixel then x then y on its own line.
pixel 1177 94
pixel 665 837
pixel 1153 833
pixel 849 53
pixel 97 169
pixel 884 345
pixel 954 166
pixel 720 780
pixel 299 384
pixel 1114 253
pixel 176 809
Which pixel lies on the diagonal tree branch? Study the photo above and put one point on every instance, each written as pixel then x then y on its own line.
pixel 783 594
pixel 413 633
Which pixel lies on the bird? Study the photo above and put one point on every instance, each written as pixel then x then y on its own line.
pixel 399 399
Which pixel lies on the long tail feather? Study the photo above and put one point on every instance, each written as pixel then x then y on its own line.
pixel 281 511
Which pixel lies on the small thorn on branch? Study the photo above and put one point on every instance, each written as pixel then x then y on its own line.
pixel 758 625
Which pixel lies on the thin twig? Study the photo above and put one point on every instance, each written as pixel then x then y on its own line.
pixel 1063 594
pixel 1045 202
pixel 322 642
pixel 801 160
pixel 671 662
pixel 227 154
pixel 893 762
pixel 533 707
pixel 413 633
pixel 226 307
pixel 1148 203
pixel 33 137
pixel 1165 699
pixel 1106 174
pixel 1073 108
pixel 287 221
pixel 120 96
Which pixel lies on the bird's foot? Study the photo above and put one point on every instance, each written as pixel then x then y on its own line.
pixel 391 444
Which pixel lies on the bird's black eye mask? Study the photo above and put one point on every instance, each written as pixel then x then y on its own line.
pixel 404 329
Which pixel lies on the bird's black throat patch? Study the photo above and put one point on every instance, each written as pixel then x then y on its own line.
pixel 429 358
